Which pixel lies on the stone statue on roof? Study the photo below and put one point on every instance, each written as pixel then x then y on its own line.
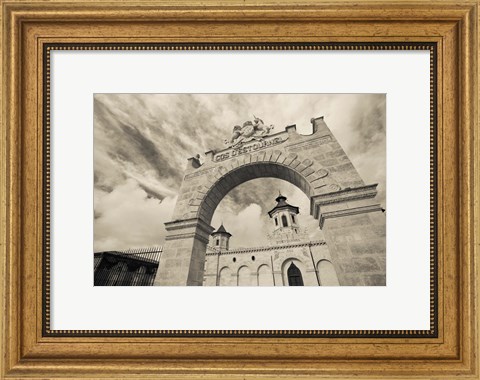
pixel 250 130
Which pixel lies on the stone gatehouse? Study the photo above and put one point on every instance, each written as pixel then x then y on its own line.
pixel 353 223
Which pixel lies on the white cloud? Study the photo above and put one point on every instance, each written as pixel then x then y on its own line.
pixel 128 217
pixel 246 227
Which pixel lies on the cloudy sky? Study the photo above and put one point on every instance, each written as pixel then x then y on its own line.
pixel 142 142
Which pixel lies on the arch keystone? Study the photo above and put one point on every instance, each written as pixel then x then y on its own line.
pixel 275 155
pixel 262 155
pixel 268 155
pixel 254 158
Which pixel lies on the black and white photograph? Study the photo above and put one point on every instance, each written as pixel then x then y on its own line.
pixel 239 190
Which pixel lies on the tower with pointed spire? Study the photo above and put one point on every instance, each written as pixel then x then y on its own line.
pixel 221 238
pixel 284 217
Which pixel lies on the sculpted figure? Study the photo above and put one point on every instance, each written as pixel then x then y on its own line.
pixel 236 133
pixel 260 127
pixel 249 131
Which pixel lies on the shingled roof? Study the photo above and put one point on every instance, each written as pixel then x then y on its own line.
pixel 282 204
pixel 222 230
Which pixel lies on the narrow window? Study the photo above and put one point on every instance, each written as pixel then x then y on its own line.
pixel 293 218
pixel 294 276
pixel 284 221
pixel 276 221
pixel 218 241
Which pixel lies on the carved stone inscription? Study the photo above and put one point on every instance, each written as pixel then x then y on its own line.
pixel 249 148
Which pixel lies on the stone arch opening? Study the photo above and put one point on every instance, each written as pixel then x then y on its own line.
pixel 225 277
pixel 326 273
pixel 244 276
pixel 298 264
pixel 219 189
pixel 294 275
pixel 264 275
pixel 244 212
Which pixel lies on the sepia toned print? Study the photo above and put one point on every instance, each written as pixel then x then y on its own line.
pixel 269 203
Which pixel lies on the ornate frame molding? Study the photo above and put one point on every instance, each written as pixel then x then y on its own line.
pixel 28 350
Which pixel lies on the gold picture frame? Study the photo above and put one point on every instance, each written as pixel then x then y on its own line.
pixel 32 29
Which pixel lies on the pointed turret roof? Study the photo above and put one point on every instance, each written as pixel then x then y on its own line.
pixel 282 204
pixel 222 230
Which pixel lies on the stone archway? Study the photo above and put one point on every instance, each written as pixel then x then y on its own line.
pixel 315 163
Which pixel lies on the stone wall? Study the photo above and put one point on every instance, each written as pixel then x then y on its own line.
pixel 267 266
pixel 354 227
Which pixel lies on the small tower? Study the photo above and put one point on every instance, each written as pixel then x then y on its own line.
pixel 284 215
pixel 221 238
pixel 285 222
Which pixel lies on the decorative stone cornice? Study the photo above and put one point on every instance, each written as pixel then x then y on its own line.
pixel 266 248
pixel 187 228
pixel 189 223
pixel 345 195
pixel 194 235
pixel 347 212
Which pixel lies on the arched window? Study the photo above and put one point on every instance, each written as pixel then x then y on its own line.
pixel 264 276
pixel 327 273
pixel 294 276
pixel 284 221
pixel 293 218
pixel 276 221
pixel 244 277
pixel 225 277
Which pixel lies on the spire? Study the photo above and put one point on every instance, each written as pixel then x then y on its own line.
pixel 281 200
pixel 222 230
pixel 282 204
pixel 221 238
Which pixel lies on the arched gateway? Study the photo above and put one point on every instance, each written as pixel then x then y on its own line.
pixel 352 222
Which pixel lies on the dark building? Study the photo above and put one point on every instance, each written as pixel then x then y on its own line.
pixel 134 267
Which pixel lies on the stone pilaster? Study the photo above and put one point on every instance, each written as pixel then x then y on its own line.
pixel 183 258
pixel 278 278
pixel 354 228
